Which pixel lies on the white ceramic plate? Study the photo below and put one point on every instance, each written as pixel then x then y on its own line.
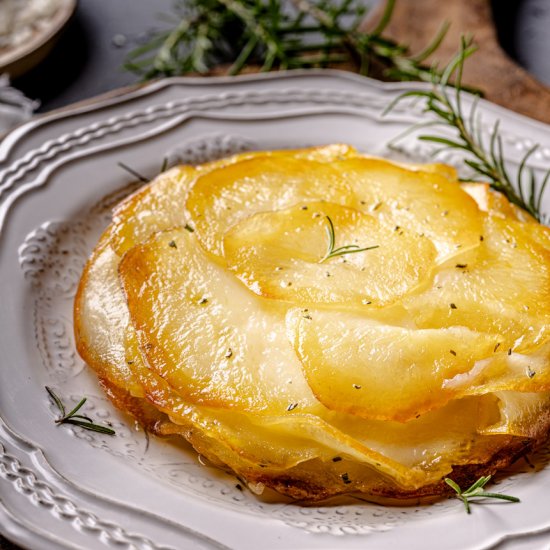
pixel 65 488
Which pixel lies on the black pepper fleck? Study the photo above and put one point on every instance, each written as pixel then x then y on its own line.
pixel 346 479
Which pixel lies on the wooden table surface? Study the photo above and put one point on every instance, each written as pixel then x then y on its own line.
pixel 513 35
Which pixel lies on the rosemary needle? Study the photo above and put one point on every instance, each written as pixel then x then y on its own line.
pixel 76 419
pixel 133 172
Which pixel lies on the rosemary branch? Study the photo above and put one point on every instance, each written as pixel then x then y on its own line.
pixel 274 34
pixel 485 159
pixel 333 252
pixel 72 417
pixel 476 490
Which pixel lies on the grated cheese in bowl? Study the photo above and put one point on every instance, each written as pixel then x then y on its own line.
pixel 21 19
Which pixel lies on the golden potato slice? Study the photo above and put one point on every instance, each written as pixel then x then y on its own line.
pixel 536 232
pixel 321 153
pixel 157 206
pixel 504 290
pixel 508 371
pixel 202 331
pixel 226 196
pixel 495 203
pixel 391 372
pixel 101 315
pixel 284 254
pixel 427 203
pixel 444 170
pixel 522 414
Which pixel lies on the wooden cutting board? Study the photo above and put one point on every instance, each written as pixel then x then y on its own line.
pixel 490 69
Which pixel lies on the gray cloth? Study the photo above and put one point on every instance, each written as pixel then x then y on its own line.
pixel 15 108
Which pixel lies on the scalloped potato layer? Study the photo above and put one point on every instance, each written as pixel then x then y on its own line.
pixel 321 322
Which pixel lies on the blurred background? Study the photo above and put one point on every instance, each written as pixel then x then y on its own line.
pixel 88 57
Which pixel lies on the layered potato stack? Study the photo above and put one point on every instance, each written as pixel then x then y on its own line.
pixel 212 308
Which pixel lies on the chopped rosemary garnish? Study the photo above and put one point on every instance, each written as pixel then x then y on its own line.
pixel 76 419
pixel 277 35
pixel 340 251
pixel 133 172
pixel 476 491
pixel 485 159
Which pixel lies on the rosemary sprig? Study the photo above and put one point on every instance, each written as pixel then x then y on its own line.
pixel 476 490
pixel 276 34
pixel 485 159
pixel 342 250
pixel 76 419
